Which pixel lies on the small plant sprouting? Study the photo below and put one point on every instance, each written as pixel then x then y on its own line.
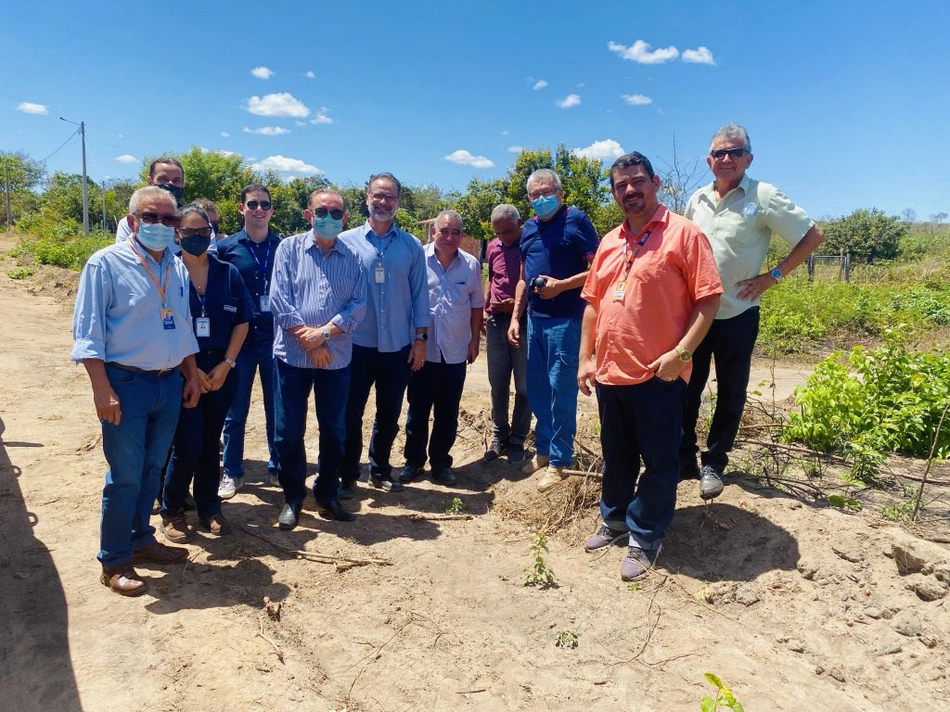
pixel 21 273
pixel 724 700
pixel 566 639
pixel 635 586
pixel 538 574
pixel 845 504
pixel 456 506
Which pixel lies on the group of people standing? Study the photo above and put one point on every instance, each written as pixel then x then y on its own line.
pixel 333 313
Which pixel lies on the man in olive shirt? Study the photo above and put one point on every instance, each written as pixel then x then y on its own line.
pixel 739 216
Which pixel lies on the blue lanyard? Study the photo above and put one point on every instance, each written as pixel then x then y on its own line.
pixel 201 300
pixel 382 239
pixel 262 268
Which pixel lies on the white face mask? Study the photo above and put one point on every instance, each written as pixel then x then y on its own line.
pixel 156 237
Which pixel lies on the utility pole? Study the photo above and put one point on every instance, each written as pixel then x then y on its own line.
pixel 85 188
pixel 6 182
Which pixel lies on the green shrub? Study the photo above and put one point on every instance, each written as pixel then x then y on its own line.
pixel 58 242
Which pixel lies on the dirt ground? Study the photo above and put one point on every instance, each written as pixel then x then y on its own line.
pixel 794 604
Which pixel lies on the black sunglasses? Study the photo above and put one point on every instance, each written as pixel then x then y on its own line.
pixel 192 231
pixel 721 153
pixel 252 204
pixel 323 212
pixel 151 218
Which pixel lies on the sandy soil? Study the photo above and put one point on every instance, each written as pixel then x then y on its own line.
pixel 794 604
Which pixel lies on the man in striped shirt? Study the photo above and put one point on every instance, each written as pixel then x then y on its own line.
pixel 317 296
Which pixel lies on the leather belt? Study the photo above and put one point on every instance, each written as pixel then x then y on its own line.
pixel 161 373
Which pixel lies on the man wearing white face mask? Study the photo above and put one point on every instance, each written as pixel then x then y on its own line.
pixel 557 246
pixel 317 296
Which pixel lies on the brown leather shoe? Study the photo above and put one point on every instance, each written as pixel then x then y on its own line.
pixel 159 554
pixel 123 580
pixel 217 525
pixel 175 528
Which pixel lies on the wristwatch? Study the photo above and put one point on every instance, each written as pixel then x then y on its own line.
pixel 685 354
pixel 776 274
pixel 230 362
pixel 326 335
pixel 422 337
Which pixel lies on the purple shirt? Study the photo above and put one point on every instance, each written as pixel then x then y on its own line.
pixel 504 271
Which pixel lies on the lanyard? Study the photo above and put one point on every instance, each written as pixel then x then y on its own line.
pixel 160 288
pixel 262 268
pixel 381 254
pixel 636 251
pixel 201 300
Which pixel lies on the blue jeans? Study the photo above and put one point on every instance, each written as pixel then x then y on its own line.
pixel 330 388
pixel 553 348
pixel 505 360
pixel 195 450
pixel 390 373
pixel 253 358
pixel 641 421
pixel 730 342
pixel 135 449
pixel 434 387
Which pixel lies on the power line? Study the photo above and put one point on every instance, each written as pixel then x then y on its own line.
pixel 71 137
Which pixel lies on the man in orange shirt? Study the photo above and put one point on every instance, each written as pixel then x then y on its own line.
pixel 652 292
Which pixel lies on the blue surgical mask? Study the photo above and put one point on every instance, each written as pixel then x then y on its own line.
pixel 326 227
pixel 545 207
pixel 156 237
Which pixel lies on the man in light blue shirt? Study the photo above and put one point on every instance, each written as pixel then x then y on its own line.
pixel 317 296
pixel 132 332
pixel 391 338
pixel 456 304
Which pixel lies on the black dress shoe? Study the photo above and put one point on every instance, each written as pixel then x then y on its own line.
pixel 334 510
pixel 288 517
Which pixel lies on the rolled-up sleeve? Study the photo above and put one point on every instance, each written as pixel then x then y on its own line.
pixel 89 315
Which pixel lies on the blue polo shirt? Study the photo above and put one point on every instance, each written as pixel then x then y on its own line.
pixel 560 247
pixel 255 262
pixel 225 302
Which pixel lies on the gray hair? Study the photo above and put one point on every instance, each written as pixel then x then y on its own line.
pixel 450 214
pixel 732 132
pixel 322 191
pixel 505 211
pixel 150 191
pixel 542 174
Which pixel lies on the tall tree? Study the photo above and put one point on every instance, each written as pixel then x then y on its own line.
pixel 868 235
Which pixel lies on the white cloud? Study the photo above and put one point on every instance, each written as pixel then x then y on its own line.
pixel 262 72
pixel 282 104
pixel 126 158
pixel 321 117
pixel 310 75
pixel 516 149
pixel 298 122
pixel 641 53
pixel 464 158
pixel 636 99
pixel 28 107
pixel 540 84
pixel 268 131
pixel 222 152
pixel 601 150
pixel 282 164
pixel 505 132
pixel 569 101
pixel 225 134
pixel 700 55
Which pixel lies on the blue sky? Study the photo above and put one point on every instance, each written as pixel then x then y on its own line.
pixel 847 103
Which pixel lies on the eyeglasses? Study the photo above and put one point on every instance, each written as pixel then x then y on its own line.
pixel 721 153
pixel 150 218
pixel 252 204
pixel 322 212
pixel 545 193
pixel 216 225
pixel 384 197
pixel 192 231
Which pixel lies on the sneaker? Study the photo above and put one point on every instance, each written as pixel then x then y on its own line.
pixel 217 525
pixel 552 476
pixel 535 464
pixel 410 473
pixel 496 450
pixel 386 484
pixel 444 476
pixel 605 536
pixel 176 529
pixel 638 562
pixel 229 486
pixel 515 454
pixel 710 482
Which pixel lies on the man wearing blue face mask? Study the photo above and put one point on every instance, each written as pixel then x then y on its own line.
pixel 318 296
pixel 132 332
pixel 557 246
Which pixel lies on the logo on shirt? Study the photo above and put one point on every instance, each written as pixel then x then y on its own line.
pixel 230 308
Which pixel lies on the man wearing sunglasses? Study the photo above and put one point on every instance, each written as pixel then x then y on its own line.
pixel 132 332
pixel 252 251
pixel 318 296
pixel 390 341
pixel 739 216
pixel 165 172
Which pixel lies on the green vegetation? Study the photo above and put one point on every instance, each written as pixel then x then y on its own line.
pixel 538 573
pixel 21 273
pixel 456 506
pixel 724 699
pixel 566 639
